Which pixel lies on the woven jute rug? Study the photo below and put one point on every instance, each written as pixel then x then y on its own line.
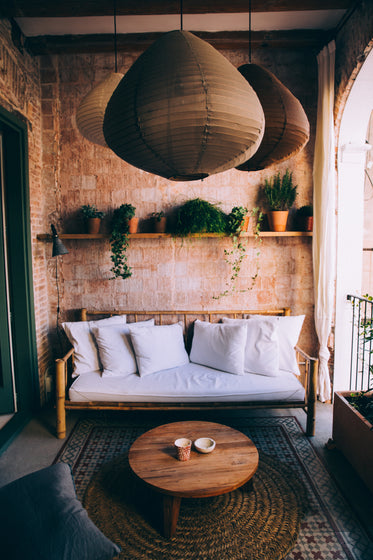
pixel 261 524
pixel 294 511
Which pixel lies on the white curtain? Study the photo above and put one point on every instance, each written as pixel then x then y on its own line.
pixel 324 237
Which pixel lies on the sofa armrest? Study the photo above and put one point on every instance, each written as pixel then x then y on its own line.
pixel 61 384
pixel 311 366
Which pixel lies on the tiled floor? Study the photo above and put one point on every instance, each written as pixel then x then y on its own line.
pixel 36 447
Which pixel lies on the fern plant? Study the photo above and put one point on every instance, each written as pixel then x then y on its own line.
pixel 280 193
pixel 119 240
pixel 200 216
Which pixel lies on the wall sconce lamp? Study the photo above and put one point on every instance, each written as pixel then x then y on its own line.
pixel 58 247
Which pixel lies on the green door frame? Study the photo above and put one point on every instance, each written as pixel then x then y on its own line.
pixel 7 389
pixel 15 160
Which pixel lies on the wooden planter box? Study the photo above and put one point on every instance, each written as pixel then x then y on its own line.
pixel 353 435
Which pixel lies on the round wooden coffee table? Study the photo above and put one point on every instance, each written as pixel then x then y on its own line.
pixel 152 457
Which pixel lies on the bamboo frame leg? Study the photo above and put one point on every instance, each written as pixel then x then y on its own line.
pixel 60 399
pixel 312 396
pixel 171 508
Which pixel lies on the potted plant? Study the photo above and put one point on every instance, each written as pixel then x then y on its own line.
pixel 92 217
pixel 353 410
pixel 280 194
pixel 159 221
pixel 238 220
pixel 304 218
pixel 353 430
pixel 119 240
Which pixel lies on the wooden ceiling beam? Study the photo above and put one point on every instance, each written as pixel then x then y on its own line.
pixel 74 8
pixel 67 44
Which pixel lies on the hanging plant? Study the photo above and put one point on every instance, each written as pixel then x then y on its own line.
pixel 119 240
pixel 237 254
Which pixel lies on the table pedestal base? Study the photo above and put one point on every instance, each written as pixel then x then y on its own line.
pixel 171 508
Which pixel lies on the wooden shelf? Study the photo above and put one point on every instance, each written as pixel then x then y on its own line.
pixel 77 236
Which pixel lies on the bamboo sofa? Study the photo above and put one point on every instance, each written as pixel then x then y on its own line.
pixel 307 380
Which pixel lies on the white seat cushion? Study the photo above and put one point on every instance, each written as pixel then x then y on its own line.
pixel 188 383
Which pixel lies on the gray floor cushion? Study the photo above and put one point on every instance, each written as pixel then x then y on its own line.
pixel 42 519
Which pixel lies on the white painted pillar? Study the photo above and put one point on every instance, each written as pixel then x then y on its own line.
pixel 352 150
pixel 350 212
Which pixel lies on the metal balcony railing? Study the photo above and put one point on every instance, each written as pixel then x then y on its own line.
pixel 361 367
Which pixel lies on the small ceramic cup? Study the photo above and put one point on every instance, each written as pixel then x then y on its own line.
pixel 183 447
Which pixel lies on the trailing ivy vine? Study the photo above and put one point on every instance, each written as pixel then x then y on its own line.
pixel 235 257
pixel 119 240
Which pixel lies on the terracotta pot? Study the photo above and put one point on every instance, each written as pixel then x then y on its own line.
pixel 160 225
pixel 94 225
pixel 278 220
pixel 308 225
pixel 133 224
pixel 353 435
pixel 303 223
pixel 245 223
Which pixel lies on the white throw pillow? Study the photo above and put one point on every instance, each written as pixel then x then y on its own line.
pixel 158 347
pixel 80 334
pixel 219 346
pixel 261 348
pixel 115 348
pixel 288 333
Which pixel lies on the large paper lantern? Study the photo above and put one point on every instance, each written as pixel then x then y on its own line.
pixel 183 111
pixel 90 114
pixel 287 129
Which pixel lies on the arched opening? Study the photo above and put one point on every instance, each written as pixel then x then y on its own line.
pixel 352 156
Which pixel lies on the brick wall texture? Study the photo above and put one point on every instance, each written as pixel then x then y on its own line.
pixel 67 171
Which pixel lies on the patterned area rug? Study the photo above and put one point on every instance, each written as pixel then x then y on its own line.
pixel 329 530
pixel 258 523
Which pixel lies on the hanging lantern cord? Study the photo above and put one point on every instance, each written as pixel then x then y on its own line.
pixel 181 15
pixel 250 31
pixel 115 36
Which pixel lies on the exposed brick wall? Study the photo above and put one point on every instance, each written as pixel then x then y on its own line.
pixel 20 95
